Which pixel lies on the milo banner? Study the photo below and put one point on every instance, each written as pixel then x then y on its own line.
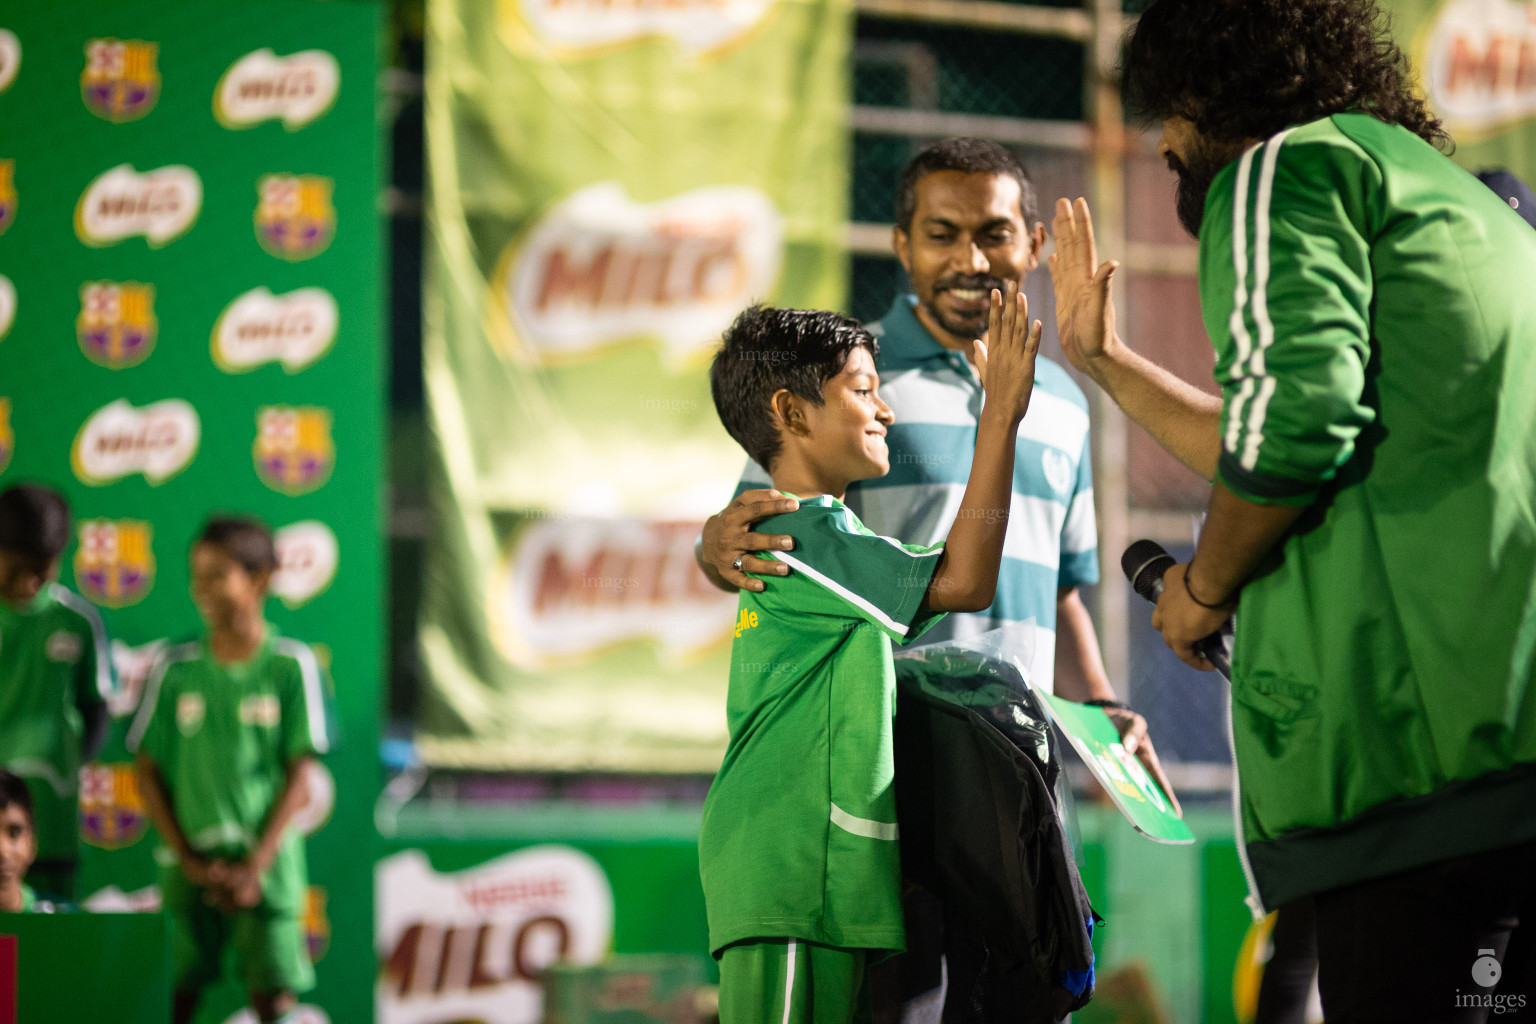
pixel 611 184
pixel 1476 64
pixel 189 323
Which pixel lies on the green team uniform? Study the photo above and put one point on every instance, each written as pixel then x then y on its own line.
pixel 799 832
pixel 1373 308
pixel 54 662
pixel 31 904
pixel 223 736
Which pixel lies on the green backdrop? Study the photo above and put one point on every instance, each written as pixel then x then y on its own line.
pixel 220 291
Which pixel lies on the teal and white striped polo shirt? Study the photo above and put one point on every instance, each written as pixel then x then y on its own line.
pixel 1052 535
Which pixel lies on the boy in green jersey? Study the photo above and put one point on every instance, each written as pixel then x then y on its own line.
pixel 55 677
pixel 797 851
pixel 224 738
pixel 18 848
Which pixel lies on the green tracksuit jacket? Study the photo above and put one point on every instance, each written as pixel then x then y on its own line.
pixel 1373 309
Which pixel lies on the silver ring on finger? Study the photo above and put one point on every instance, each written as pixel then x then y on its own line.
pixel 737 563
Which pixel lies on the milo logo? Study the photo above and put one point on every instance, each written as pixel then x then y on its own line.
pixel 307 555
pixel 578 26
pixel 261 86
pixel 600 269
pixel 119 440
pixel 257 328
pixel 1478 60
pixel 161 205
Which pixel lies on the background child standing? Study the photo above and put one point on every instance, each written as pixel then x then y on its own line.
pixel 223 738
pixel 55 678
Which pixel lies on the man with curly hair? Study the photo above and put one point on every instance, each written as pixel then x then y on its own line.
pixel 1373 453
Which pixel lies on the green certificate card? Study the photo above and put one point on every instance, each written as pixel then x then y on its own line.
pixel 1127 782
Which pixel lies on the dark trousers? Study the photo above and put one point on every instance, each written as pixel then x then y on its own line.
pixel 1287 986
pixel 1405 949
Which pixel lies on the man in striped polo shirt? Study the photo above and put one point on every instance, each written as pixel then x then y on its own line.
pixel 1373 454
pixel 966 222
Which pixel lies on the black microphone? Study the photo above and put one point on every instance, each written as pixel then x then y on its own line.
pixel 1144 564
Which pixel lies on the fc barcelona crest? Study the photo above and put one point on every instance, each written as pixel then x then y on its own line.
pixel 117 325
pixel 7 438
pixel 121 80
pixel 294 216
pixel 7 194
pixel 111 808
pixel 114 564
pixel 294 452
pixel 317 927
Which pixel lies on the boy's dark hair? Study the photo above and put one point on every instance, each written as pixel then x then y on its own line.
pixel 769 349
pixel 14 791
pixel 971 156
pixel 34 520
pixel 1245 69
pixel 246 539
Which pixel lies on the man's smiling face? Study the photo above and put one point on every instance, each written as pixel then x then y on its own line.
pixel 967 237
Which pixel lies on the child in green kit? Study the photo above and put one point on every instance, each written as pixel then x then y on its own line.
pixel 223 739
pixel 18 847
pixel 55 678
pixel 797 851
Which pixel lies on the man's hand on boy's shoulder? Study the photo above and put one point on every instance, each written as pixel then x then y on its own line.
pixel 728 546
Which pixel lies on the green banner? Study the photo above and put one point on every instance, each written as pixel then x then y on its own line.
pixel 1476 64
pixel 189 322
pixel 611 184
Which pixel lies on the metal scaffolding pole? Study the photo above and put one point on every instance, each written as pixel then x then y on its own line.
pixel 1111 482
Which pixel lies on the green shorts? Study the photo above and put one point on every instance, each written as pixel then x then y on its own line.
pixel 791 981
pixel 268 941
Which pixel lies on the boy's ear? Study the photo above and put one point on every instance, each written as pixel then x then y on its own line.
pixel 788 411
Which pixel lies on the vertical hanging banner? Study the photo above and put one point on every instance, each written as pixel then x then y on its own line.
pixel 1476 65
pixel 189 323
pixel 611 185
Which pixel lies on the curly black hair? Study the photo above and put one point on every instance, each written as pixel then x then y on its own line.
pixel 1245 69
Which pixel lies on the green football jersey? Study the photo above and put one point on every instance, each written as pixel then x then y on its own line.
pixel 54 661
pixel 223 736
pixel 799 831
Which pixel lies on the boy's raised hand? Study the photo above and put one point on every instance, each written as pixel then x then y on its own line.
pixel 1007 358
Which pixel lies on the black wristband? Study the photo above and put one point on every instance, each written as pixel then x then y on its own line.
pixel 1190 591
pixel 1100 702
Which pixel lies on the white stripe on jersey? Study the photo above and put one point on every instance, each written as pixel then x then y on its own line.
pixel 918 397
pixel 789 979
pixel 1053 420
pixel 181 652
pixel 103 648
pixel 866 827
pixel 841 591
pixel 1250 457
pixel 1080 533
pixel 314 697
pixel 1030 518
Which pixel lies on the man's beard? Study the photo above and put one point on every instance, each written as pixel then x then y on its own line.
pixel 971 327
pixel 1205 162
